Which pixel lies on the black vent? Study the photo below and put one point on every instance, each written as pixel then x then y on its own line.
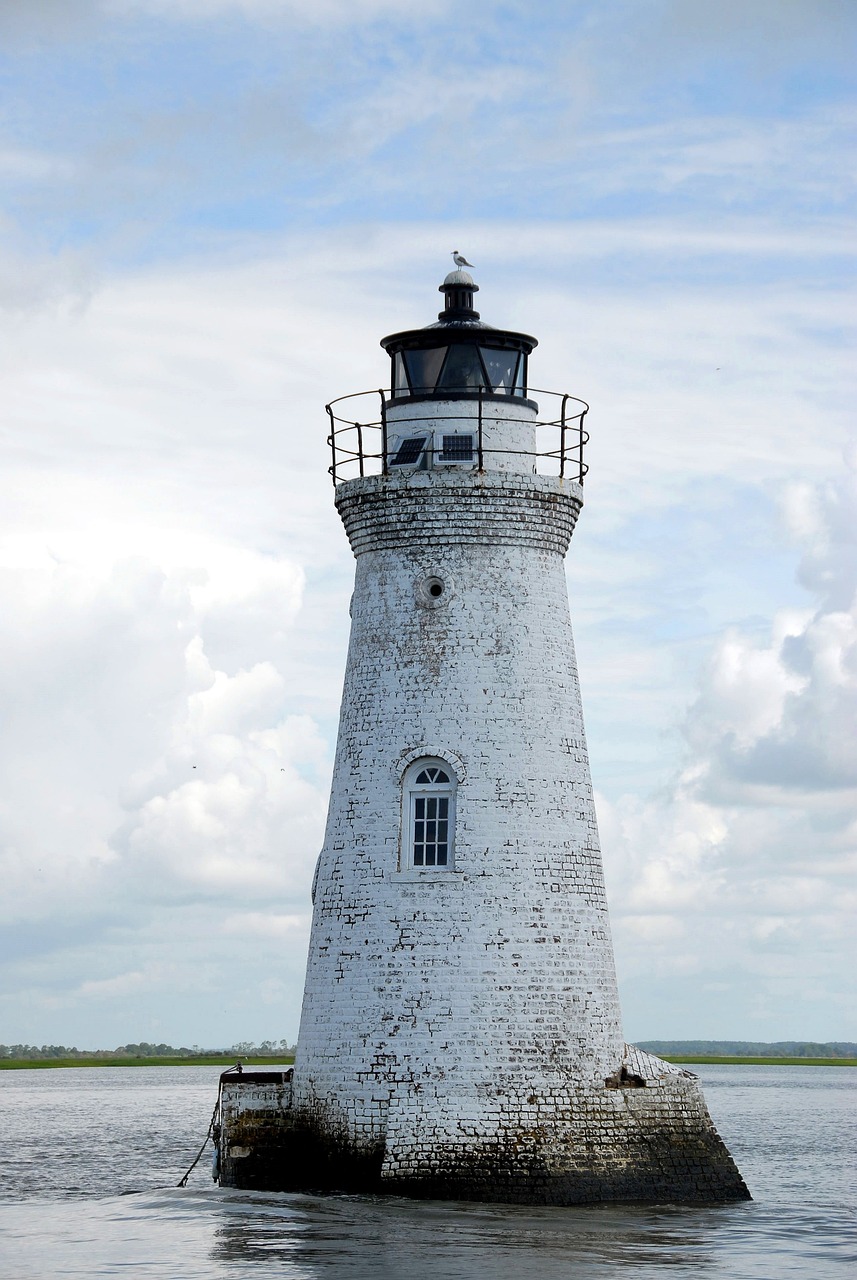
pixel 458 289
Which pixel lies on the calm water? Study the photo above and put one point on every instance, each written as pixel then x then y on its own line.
pixel 89 1159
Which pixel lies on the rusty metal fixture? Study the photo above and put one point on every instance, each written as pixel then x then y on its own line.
pixel 361 448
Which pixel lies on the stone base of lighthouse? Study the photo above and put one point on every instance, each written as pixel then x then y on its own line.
pixel 641 1135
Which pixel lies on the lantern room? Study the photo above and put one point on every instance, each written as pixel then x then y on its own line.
pixel 459 355
pixel 458 399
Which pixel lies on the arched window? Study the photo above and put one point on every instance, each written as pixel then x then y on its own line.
pixel 429 815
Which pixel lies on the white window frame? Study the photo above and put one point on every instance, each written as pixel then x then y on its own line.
pixel 412 793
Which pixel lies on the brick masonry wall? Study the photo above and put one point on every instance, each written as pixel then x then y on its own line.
pixel 460 1032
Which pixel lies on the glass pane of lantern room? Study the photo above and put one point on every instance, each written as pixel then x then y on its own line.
pixel 423 368
pixel 463 369
pixel 501 367
pixel 400 382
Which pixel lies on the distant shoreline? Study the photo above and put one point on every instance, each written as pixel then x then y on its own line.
pixel 204 1060
pixel 729 1060
pixel 43 1064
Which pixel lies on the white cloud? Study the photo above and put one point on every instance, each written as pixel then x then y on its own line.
pixel 783 715
pixel 657 192
pixel 240 820
pixel 56 18
pixel 319 12
pixel 754 844
pixel 120 721
pixel 747 686
pixel 174 593
pixel 59 19
pixel 174 584
pixel 32 281
pixel 256 924
pixel 760 28
pixel 123 984
pixel 21 164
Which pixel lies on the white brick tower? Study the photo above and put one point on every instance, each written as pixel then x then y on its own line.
pixel 460 1034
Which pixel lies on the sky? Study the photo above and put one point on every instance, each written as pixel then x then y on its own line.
pixel 212 210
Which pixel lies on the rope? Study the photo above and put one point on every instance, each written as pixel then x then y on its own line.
pixel 212 1124
pixel 183 1182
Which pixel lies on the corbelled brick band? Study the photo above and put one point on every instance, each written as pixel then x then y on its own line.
pixel 437 508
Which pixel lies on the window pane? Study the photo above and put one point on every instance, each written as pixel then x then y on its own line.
pixel 400 382
pixel 463 369
pixel 423 367
pixel 431 827
pixel 501 367
pixel 432 774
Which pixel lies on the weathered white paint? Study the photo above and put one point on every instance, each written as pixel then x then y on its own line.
pixel 462 971
pixel 460 1033
pixel 463 1023
pixel 508 427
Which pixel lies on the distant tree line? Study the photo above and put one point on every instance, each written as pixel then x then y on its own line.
pixel 752 1048
pixel 245 1049
pixel 282 1048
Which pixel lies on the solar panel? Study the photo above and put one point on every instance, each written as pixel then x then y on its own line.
pixel 408 452
pixel 457 449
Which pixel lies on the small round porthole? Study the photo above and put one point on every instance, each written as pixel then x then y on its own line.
pixel 433 591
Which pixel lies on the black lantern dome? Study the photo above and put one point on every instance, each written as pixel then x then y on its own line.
pixel 458 356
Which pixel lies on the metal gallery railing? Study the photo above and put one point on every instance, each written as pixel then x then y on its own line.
pixel 363 448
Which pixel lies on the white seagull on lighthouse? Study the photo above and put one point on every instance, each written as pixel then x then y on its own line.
pixel 460 260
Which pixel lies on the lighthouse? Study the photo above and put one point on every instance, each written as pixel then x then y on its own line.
pixel 460 1033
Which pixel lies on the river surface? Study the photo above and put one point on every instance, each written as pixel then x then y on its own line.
pixel 90 1159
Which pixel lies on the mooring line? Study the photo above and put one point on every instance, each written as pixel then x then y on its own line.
pixel 183 1182
pixel 212 1124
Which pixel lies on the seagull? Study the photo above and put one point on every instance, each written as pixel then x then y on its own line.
pixel 460 260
